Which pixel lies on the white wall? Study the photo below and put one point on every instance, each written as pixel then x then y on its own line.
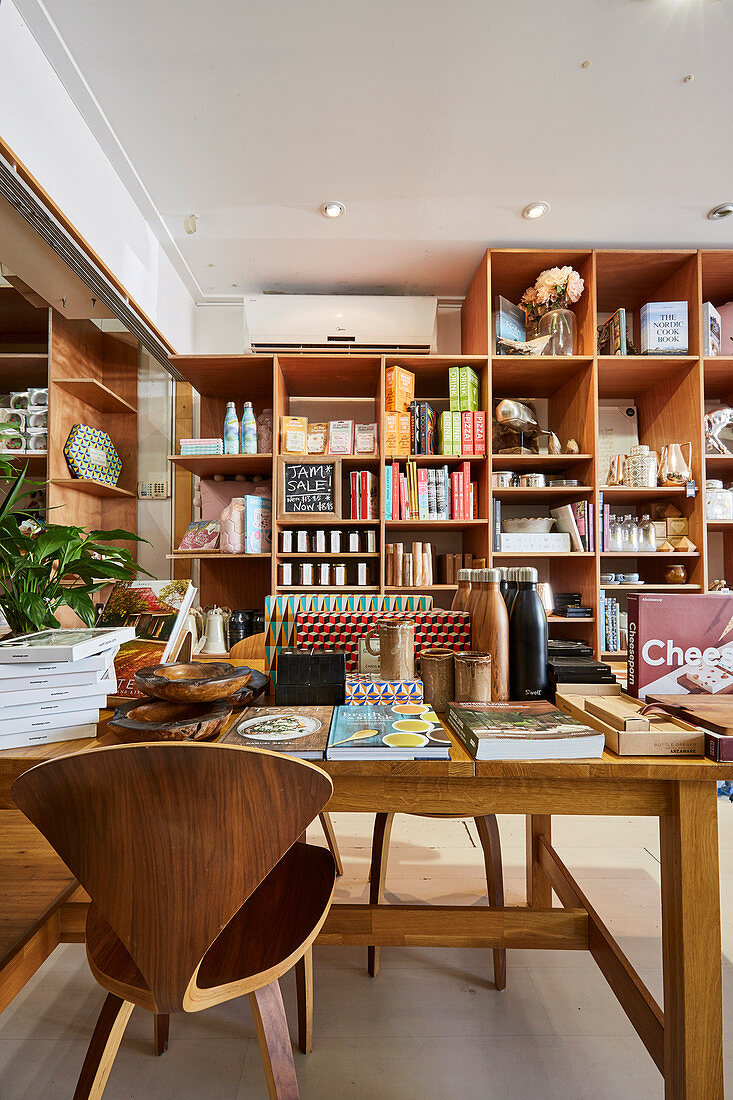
pixel 219 329
pixel 43 127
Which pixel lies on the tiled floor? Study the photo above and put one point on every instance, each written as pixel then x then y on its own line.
pixel 431 1026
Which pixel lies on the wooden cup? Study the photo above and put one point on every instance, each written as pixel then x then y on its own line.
pixel 473 677
pixel 436 667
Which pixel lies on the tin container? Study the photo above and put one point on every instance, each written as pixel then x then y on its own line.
pixel 533 481
pixel 502 479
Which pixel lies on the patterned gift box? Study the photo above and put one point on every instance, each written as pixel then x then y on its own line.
pixel 363 691
pixel 322 629
pixel 281 613
pixel 91 455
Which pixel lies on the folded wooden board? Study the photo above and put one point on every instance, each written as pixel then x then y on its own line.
pixel 618 711
pixel 714 713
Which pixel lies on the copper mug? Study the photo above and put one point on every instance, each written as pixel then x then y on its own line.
pixel 396 648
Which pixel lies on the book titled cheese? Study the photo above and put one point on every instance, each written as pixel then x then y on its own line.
pixel 522 731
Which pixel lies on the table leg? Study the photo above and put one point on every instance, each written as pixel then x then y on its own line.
pixel 539 887
pixel 693 1011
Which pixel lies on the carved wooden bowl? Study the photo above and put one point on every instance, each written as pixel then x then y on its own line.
pixel 193 682
pixel 155 720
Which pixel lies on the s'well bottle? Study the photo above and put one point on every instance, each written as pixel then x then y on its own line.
pixel 460 600
pixel 511 588
pixel 231 430
pixel 248 430
pixel 477 606
pixel 492 634
pixel 528 640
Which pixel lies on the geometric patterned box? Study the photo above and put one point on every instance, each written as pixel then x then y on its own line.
pixel 91 455
pixel 342 630
pixel 362 691
pixel 281 613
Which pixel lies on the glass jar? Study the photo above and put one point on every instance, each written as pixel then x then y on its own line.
pixel 615 535
pixel 559 325
pixel 718 501
pixel 647 536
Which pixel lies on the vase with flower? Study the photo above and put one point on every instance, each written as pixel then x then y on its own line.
pixel 546 307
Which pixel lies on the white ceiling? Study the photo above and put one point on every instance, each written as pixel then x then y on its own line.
pixel 434 123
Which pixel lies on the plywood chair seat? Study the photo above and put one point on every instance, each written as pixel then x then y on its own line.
pixel 201 888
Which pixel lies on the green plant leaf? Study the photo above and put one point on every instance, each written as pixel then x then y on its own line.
pixel 80 602
pixel 117 535
pixel 53 539
pixel 34 607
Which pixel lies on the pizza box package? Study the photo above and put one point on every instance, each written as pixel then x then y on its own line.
pixel 343 629
pixel 281 613
pixel 91 455
pixel 680 645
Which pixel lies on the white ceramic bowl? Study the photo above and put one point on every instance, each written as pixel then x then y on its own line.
pixel 525 525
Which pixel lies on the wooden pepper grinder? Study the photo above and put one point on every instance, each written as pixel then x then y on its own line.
pixel 492 632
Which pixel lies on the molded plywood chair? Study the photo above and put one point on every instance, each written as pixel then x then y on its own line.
pixel 488 831
pixel 201 890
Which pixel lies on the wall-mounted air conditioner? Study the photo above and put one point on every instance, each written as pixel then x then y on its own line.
pixel 341 323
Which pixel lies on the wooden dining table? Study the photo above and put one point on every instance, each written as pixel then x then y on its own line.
pixel 684 1040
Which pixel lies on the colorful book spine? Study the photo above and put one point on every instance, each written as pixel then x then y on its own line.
pixel 423 499
pixel 432 494
pixel 388 492
pixel 467 433
pixel 456 433
pixel 466 486
pixel 445 437
pixel 454 389
pixel 479 433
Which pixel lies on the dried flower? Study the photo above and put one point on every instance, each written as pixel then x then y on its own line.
pixel 529 297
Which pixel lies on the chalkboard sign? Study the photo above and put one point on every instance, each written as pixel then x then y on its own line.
pixel 310 488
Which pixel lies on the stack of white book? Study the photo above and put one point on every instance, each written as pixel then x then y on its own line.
pixel 53 684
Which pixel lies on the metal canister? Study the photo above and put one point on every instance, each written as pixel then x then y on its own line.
pixel 533 481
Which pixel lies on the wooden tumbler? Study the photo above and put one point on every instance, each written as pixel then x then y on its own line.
pixel 473 677
pixel 436 667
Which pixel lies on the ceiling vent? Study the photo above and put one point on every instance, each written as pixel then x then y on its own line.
pixel 341 324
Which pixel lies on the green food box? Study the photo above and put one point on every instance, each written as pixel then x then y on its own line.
pixel 454 386
pixel 456 434
pixel 445 435
pixel 468 389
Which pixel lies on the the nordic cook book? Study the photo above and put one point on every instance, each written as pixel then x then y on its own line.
pixel 405 731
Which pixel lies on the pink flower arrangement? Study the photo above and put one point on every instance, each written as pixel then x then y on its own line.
pixel 558 287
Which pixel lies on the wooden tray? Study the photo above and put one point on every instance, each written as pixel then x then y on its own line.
pixel 711 712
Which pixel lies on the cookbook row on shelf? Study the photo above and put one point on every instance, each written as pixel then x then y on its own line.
pixel 437 493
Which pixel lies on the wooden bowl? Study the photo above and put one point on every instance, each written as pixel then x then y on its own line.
pixel 154 720
pixel 193 682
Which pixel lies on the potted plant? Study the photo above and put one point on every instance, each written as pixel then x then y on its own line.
pixel 43 568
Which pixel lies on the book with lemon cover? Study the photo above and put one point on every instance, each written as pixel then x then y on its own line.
pixel 405 731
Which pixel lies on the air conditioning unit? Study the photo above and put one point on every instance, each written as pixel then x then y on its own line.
pixel 341 323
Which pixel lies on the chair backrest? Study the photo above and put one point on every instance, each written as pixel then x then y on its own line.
pixel 170 839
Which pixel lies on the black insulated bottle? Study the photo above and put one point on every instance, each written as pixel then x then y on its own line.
pixel 528 674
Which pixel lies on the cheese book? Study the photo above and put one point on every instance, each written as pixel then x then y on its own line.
pixel 299 731
pixel 522 731
pixel 680 645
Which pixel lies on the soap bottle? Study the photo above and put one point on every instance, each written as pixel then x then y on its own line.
pixel 511 588
pixel 492 634
pixel 231 430
pixel 463 591
pixel 529 678
pixel 248 430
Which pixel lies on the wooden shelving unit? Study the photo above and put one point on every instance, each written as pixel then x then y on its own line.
pixel 668 392
pixel 91 377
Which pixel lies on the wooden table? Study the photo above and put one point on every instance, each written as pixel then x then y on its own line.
pixel 685 1041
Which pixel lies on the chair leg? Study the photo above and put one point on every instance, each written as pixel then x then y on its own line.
pixel 488 831
pixel 304 989
pixel 106 1038
pixel 331 841
pixel 377 876
pixel 161 1027
pixel 274 1039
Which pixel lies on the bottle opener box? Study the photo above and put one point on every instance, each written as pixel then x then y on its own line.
pixel 343 629
pixel 680 645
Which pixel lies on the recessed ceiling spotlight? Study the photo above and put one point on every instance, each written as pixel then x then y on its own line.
pixel 189 223
pixel 333 209
pixel 536 210
pixel 723 211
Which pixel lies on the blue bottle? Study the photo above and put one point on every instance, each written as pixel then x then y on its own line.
pixel 231 430
pixel 248 430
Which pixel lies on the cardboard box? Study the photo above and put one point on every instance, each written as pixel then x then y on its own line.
pixel 399 389
pixel 667 736
pixel 257 525
pixel 468 389
pixel 454 389
pixel 677 525
pixel 445 433
pixel 554 542
pixel 293 435
pixel 365 691
pixel 91 455
pixel 479 433
pixel 467 433
pixel 680 644
pixel 343 629
pixel 391 445
pixel 404 435
pixel 457 429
